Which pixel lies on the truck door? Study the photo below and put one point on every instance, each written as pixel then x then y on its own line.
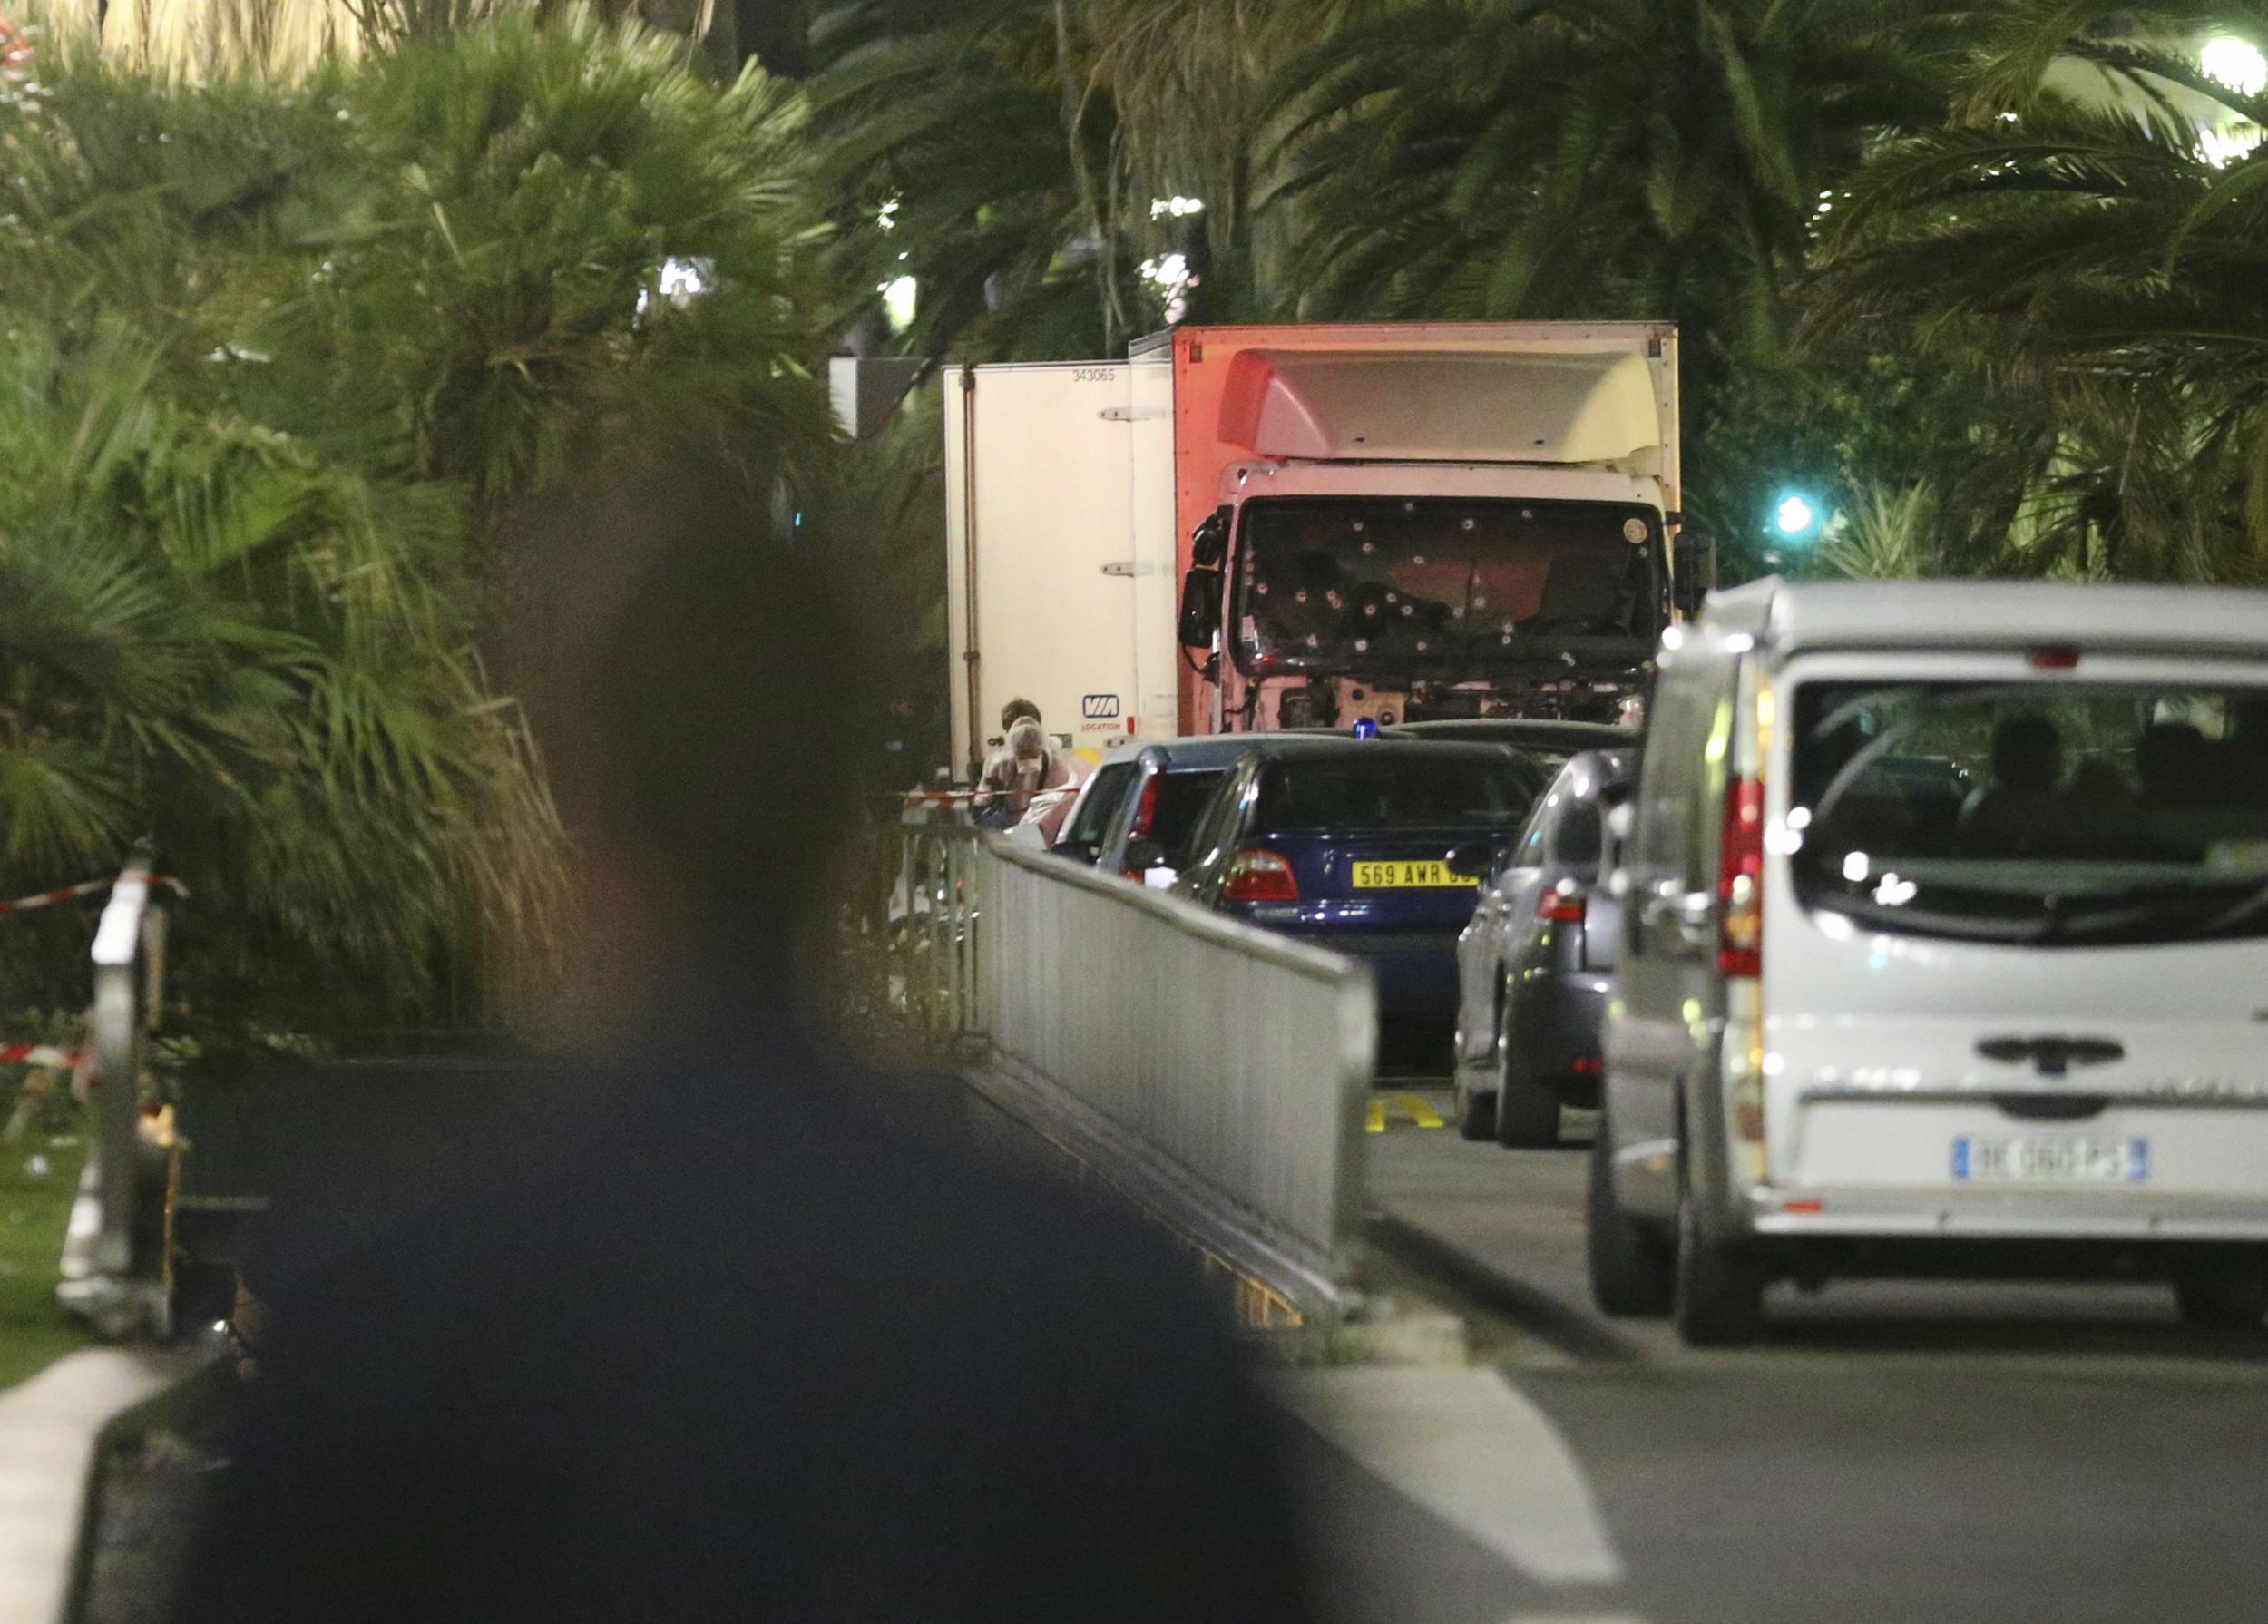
pixel 1046 586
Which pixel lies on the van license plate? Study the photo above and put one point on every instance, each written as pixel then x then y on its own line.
pixel 1381 877
pixel 2028 1159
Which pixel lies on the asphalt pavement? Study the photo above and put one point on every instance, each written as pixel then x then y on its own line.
pixel 1895 1451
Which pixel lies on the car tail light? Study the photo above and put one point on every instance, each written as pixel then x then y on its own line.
pixel 1145 815
pixel 1740 882
pixel 1562 905
pixel 1146 809
pixel 1257 875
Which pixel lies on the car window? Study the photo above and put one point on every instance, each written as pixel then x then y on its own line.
pixel 1215 820
pixel 1580 835
pixel 1534 847
pixel 1674 819
pixel 1395 788
pixel 2077 813
pixel 1104 796
pixel 1182 799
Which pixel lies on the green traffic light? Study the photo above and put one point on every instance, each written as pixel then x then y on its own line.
pixel 1795 517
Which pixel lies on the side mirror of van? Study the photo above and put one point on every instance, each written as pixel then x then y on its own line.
pixel 1209 543
pixel 1693 576
pixel 1473 862
pixel 1200 608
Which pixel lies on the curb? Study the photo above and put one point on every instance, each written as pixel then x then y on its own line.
pixel 1546 1318
pixel 57 1430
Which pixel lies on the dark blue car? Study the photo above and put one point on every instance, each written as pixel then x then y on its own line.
pixel 1370 848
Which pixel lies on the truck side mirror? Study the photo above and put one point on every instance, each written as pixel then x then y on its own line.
pixel 1200 608
pixel 1209 543
pixel 1693 575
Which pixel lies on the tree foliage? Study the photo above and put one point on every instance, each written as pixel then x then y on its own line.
pixel 283 363
pixel 2102 256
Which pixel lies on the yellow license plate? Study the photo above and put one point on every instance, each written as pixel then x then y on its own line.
pixel 1380 877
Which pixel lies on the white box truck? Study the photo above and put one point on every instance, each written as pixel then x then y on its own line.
pixel 1259 527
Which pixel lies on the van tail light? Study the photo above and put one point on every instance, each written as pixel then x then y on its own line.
pixel 1257 875
pixel 1562 905
pixel 1740 882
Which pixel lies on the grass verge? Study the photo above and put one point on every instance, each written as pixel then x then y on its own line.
pixel 39 1175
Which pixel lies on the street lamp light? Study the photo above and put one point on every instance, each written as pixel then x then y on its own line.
pixel 2235 62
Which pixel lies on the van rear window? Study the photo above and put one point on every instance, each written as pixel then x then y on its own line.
pixel 2078 814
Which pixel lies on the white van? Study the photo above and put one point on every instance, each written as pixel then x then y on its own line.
pixel 1946 949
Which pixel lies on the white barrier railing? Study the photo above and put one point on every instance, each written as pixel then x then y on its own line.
pixel 115 1270
pixel 1225 1070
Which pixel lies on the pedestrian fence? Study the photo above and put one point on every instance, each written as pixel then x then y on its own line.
pixel 115 1267
pixel 1216 1075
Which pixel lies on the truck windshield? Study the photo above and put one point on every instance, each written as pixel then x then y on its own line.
pixel 2078 815
pixel 1439 585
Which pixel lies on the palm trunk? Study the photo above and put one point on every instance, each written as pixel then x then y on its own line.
pixel 1105 234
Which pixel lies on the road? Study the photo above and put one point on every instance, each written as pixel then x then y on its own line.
pixel 1895 1453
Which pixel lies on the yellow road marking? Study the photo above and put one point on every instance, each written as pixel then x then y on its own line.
pixel 1410 1105
pixel 1422 1114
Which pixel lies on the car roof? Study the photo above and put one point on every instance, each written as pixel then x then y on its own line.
pixel 1549 732
pixel 1997 614
pixel 1592 770
pixel 1349 750
pixel 1199 751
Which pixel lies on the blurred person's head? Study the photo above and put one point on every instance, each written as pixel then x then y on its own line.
pixel 2027 755
pixel 1026 742
pixel 667 675
pixel 2174 761
pixel 1017 710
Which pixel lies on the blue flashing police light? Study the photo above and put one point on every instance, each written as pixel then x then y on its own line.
pixel 1367 729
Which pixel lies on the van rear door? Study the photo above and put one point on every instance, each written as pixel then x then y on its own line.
pixel 2016 944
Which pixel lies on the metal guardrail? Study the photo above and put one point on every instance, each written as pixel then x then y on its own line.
pixel 110 1277
pixel 935 921
pixel 1221 1071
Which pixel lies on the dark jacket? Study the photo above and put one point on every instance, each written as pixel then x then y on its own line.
pixel 748 1346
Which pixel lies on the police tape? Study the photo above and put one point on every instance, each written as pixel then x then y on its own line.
pixel 48 899
pixel 40 1054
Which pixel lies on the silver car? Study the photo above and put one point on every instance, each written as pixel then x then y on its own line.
pixel 1535 965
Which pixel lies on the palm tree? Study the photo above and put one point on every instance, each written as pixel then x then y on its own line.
pixel 285 364
pixel 2104 253
pixel 977 157
pixel 210 637
pixel 1664 158
pixel 1022 149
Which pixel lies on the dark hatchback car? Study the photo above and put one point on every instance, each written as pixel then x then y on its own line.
pixel 1366 848
pixel 1537 962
